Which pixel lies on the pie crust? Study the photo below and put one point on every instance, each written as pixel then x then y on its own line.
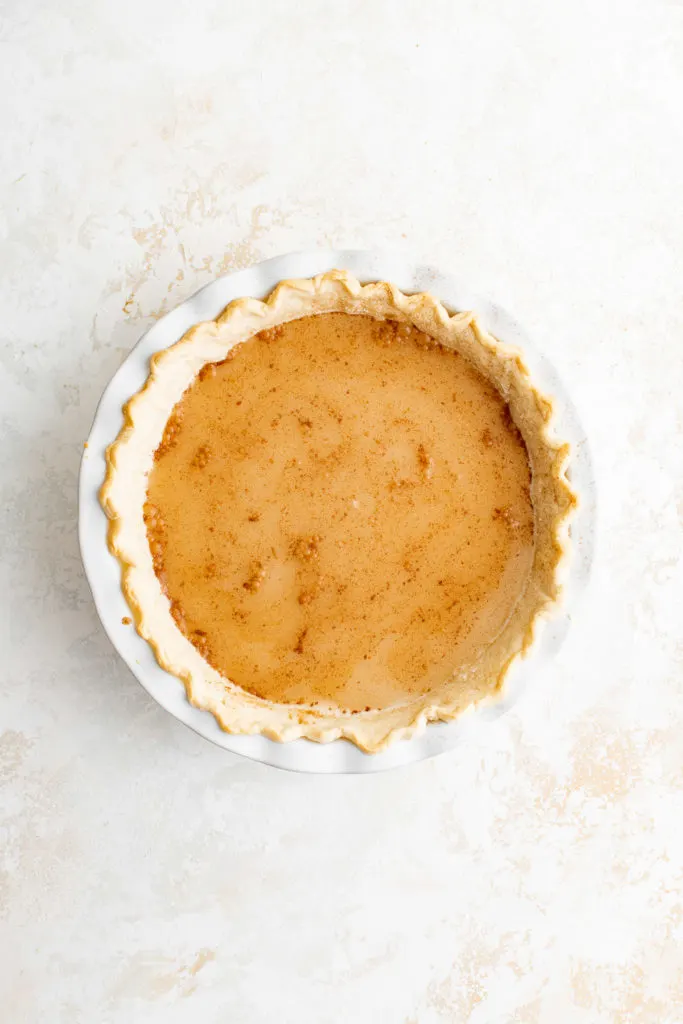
pixel 130 459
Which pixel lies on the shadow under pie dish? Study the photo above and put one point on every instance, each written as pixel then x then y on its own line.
pixel 340 512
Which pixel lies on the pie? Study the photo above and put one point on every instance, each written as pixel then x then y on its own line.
pixel 339 512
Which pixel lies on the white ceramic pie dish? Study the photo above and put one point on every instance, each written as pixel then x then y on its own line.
pixel 103 570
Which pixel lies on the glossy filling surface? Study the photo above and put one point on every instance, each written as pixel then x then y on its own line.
pixel 340 513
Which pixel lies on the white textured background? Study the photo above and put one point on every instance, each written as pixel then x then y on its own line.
pixel 535 150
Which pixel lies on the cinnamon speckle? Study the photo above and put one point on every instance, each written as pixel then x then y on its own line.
pixel 299 647
pixel 201 457
pixel 505 515
pixel 271 333
pixel 305 548
pixel 425 462
pixel 257 574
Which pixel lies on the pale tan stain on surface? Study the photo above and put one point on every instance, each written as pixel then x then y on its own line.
pixel 152 975
pixel 167 241
pixel 623 993
pixel 456 996
pixel 204 956
pixel 189 109
pixel 5 892
pixel 530 1013
pixel 29 798
pixel 605 764
pixel 13 749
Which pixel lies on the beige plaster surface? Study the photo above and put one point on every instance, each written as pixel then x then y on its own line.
pixel 535 874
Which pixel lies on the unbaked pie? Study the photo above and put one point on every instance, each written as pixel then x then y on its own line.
pixel 339 512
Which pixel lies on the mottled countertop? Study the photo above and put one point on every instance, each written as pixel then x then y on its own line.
pixel 533 875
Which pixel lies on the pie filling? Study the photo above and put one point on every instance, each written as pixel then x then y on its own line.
pixel 340 513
